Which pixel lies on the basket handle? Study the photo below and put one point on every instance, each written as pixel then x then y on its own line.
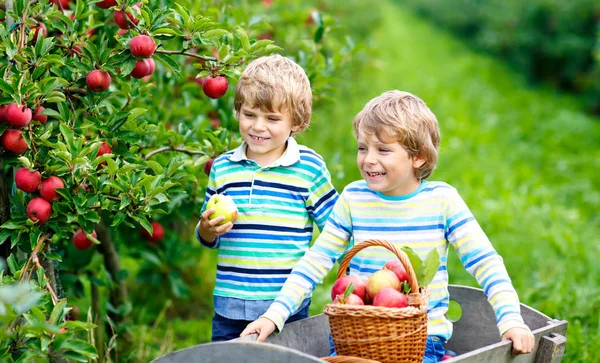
pixel 414 298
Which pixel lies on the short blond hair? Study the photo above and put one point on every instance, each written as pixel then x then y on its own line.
pixel 405 118
pixel 274 83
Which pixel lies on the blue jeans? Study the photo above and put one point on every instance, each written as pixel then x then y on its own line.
pixel 434 350
pixel 224 329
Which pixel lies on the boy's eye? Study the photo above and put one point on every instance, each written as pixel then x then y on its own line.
pixel 248 115
pixel 383 150
pixel 362 148
pixel 273 119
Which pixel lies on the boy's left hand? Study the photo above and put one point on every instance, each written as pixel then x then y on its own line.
pixel 523 340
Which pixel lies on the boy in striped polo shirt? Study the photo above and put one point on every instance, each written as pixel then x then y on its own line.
pixel 281 189
pixel 398 139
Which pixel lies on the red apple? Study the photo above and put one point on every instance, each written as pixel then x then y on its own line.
pixel 64 4
pixel 199 80
pixel 215 87
pixel 39 209
pixel 73 314
pixel 28 180
pixel 3 113
pixel 208 166
pixel 140 69
pixel 152 65
pixel 391 298
pixel 40 27
pixel 339 287
pixel 97 80
pixel 381 279
pixel 81 241
pixel 397 268
pixel 121 31
pixel 120 18
pixel 82 187
pixel 105 4
pixel 39 116
pixel 13 141
pixel 49 186
pixel 142 46
pixel 350 300
pixel 267 3
pixel 104 149
pixel 158 233
pixel 18 115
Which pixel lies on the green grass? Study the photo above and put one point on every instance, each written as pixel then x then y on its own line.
pixel 525 159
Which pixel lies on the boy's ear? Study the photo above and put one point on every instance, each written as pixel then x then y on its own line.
pixel 418 162
pixel 295 128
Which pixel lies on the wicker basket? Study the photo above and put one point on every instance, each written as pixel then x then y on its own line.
pixel 380 333
pixel 346 359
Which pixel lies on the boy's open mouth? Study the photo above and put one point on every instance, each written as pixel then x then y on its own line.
pixel 375 175
pixel 256 138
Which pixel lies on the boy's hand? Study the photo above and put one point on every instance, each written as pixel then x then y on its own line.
pixel 523 340
pixel 262 326
pixel 209 229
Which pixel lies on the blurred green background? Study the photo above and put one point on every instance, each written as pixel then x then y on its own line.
pixel 520 143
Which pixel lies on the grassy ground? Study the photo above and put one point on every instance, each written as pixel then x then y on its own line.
pixel 525 159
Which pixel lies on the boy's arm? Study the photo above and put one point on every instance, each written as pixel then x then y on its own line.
pixel 482 261
pixel 322 197
pixel 314 266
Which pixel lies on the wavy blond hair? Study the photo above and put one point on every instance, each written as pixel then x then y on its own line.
pixel 405 118
pixel 275 83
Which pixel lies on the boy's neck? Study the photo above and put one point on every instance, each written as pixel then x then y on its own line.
pixel 268 159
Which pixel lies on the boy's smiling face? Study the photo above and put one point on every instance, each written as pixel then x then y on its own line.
pixel 265 133
pixel 386 166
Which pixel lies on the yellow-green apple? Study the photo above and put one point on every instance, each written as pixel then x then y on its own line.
pixel 381 279
pixel 81 241
pixel 28 180
pixel 48 188
pixel 13 141
pixel 339 287
pixel 391 298
pixel 18 115
pixel 398 268
pixel 39 209
pixel 223 205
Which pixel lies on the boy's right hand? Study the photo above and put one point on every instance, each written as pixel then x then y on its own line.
pixel 209 229
pixel 262 326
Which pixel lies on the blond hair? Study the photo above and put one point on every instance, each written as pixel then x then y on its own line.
pixel 275 83
pixel 405 118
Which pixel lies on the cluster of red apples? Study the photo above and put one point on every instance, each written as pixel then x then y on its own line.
pixel 384 288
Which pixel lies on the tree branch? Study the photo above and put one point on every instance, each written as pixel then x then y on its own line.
pixel 173 148
pixel 183 52
pixel 80 91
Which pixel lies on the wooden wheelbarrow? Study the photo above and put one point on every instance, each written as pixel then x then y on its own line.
pixel 475 339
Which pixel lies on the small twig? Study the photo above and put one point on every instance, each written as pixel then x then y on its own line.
pixel 32 143
pixel 183 52
pixel 48 285
pixel 80 91
pixel 173 148
pixel 113 198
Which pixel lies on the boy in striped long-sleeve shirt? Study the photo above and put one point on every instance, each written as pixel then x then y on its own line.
pixel 280 188
pixel 398 139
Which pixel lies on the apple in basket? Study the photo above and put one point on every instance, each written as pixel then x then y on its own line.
pixel 381 279
pixel 391 298
pixel 349 300
pixel 340 286
pixel 397 268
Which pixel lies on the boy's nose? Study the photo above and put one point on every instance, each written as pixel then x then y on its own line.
pixel 259 124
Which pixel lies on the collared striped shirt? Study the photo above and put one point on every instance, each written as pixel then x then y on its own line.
pixel 434 216
pixel 277 206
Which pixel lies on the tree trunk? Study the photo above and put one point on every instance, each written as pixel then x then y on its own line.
pixel 97 319
pixel 118 292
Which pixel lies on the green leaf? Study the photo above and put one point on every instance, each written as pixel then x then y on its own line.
pixel 349 290
pixel 168 31
pixel 6 88
pixel 68 136
pixel 432 263
pixel 156 167
pixel 215 33
pixel 169 62
pixel 12 264
pixel 58 311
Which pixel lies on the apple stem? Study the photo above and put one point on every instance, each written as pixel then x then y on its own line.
pixel 183 52
pixel 34 258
